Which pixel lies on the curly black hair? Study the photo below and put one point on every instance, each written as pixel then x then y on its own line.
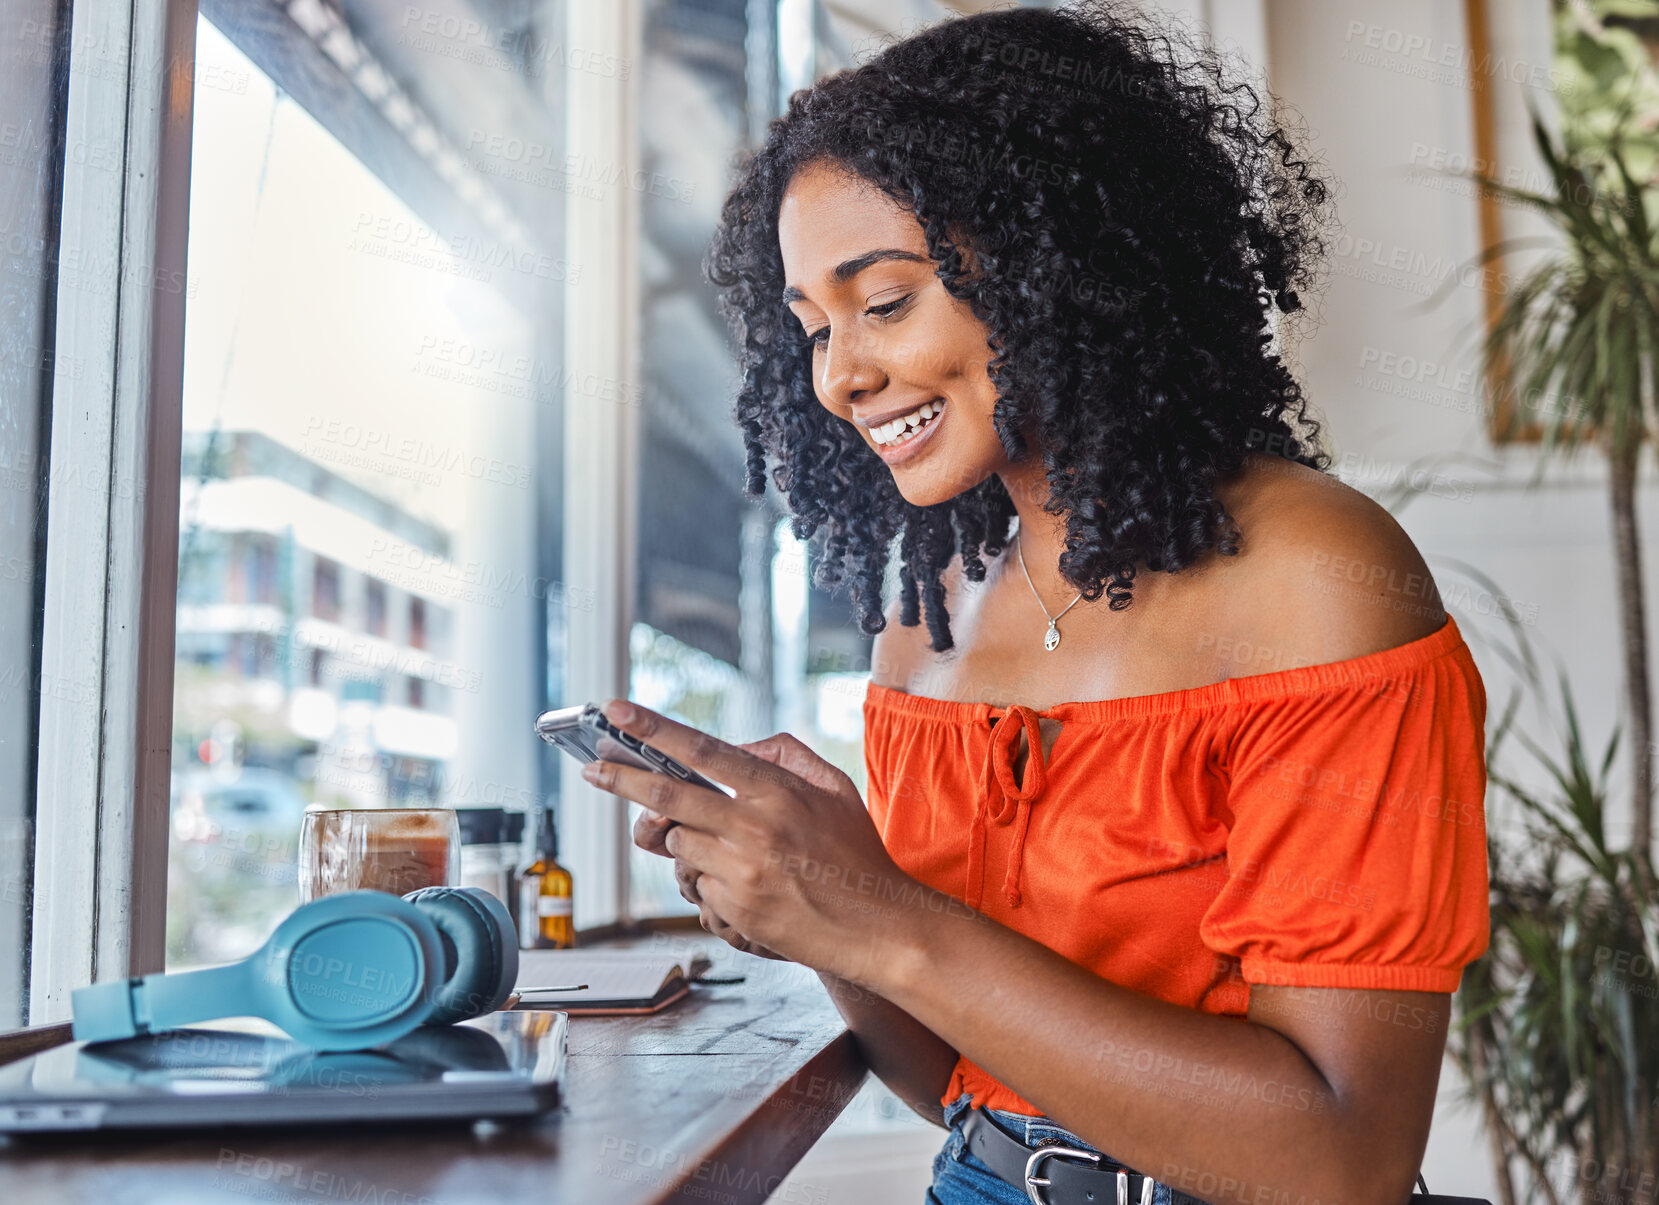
pixel 1129 217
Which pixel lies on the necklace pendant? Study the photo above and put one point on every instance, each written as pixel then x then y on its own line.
pixel 1052 640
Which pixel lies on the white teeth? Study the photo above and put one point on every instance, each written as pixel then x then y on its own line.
pixel 888 432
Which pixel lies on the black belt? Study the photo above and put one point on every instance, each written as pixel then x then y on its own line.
pixel 1053 1173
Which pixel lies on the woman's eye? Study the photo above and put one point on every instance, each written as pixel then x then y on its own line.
pixel 820 337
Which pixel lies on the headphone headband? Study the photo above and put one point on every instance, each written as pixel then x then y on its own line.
pixel 343 972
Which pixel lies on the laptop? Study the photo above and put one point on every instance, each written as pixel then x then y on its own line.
pixel 507 1064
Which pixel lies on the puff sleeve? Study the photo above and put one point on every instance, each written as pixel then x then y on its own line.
pixel 1356 833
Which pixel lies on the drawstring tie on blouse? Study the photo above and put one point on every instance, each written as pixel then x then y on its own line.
pixel 1002 800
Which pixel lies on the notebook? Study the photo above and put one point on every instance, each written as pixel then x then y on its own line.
pixel 618 981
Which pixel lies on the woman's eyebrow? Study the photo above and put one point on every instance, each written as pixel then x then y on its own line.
pixel 849 268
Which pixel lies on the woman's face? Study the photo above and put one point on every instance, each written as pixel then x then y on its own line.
pixel 892 350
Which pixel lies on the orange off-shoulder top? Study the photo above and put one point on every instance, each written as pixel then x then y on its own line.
pixel 1322 826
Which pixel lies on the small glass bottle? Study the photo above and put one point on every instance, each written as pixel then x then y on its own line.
pixel 545 893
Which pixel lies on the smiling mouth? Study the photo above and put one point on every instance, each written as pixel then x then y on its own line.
pixel 906 428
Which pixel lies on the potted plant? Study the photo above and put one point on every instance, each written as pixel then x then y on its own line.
pixel 1580 332
pixel 1557 1027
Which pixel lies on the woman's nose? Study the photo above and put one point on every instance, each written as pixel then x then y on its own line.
pixel 849 369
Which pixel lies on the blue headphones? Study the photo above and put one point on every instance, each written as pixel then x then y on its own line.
pixel 344 972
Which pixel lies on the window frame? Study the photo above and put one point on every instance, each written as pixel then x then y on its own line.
pixel 601 341
pixel 104 754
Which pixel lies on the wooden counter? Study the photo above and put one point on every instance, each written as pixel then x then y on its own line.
pixel 711 1101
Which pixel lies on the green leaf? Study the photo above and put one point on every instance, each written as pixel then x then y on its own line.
pixel 1602 63
pixel 1635 207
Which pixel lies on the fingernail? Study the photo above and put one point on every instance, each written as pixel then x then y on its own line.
pixel 619 711
pixel 591 771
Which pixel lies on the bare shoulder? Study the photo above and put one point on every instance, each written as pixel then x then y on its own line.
pixel 1324 573
pixel 899 653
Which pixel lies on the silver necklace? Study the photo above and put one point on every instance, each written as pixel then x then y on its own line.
pixel 1051 639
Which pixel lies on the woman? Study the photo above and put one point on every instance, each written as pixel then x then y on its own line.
pixel 1010 283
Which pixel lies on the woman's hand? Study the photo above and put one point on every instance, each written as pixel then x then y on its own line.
pixel 650 833
pixel 791 865
pixel 687 878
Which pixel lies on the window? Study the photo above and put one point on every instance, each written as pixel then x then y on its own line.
pixel 417 623
pixel 1599 65
pixel 443 292
pixel 730 636
pixel 325 589
pixel 374 607
pixel 421 265
pixel 379 469
pixel 261 566
pixel 700 647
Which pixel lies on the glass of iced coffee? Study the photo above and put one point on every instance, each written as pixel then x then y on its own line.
pixel 380 849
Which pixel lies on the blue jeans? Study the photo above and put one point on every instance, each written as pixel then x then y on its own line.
pixel 960 1178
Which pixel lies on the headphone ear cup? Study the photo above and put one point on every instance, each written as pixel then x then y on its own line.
pixel 480 951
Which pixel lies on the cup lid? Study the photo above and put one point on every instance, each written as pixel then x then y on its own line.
pixel 481 826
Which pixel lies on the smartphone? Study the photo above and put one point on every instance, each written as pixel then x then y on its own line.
pixel 577 730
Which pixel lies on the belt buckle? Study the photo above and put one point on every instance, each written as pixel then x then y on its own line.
pixel 1034 1185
